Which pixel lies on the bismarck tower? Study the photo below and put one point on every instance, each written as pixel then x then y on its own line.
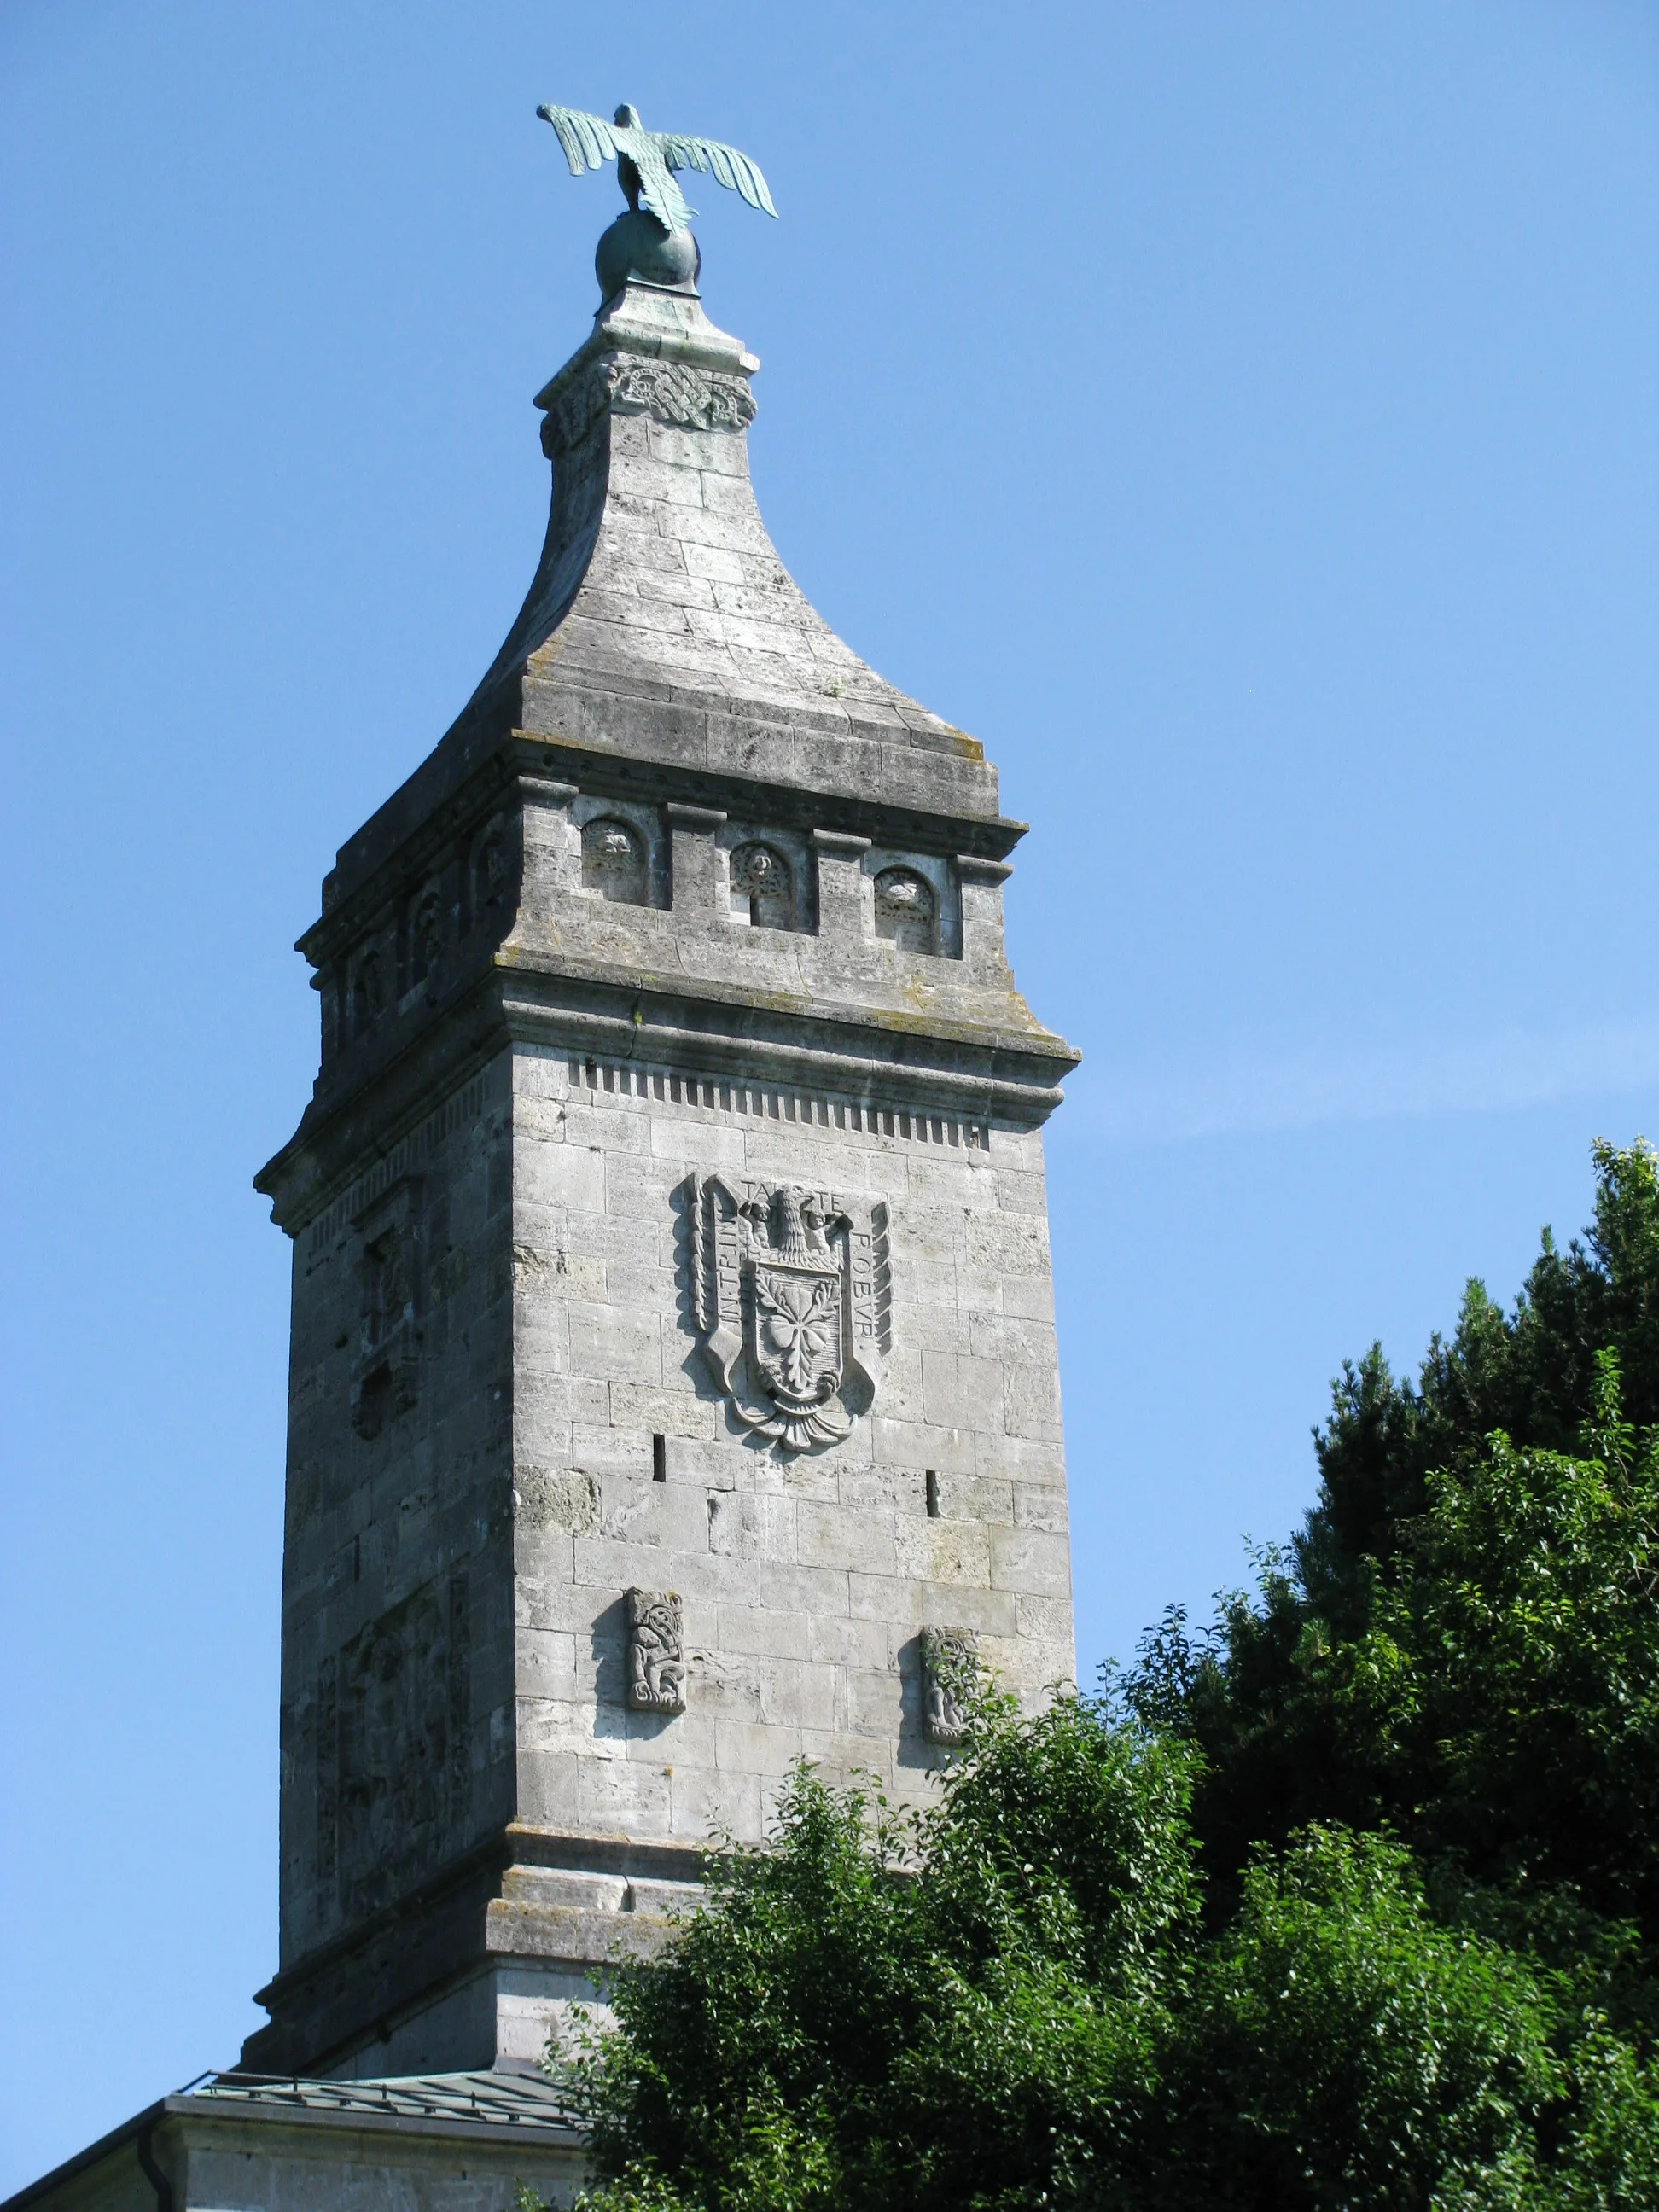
pixel 673 1386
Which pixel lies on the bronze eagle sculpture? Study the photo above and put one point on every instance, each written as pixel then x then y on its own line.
pixel 647 160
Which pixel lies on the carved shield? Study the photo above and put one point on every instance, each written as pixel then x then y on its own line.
pixel 791 1295
pixel 796 1342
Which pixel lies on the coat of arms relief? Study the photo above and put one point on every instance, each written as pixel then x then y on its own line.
pixel 790 1294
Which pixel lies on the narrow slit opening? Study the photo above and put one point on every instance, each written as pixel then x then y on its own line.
pixel 658 1458
pixel 932 1494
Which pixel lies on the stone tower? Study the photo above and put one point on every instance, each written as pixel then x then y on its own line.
pixel 673 1389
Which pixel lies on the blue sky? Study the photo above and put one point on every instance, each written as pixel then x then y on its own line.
pixel 1240 416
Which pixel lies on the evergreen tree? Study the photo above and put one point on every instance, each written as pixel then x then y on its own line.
pixel 1460 1644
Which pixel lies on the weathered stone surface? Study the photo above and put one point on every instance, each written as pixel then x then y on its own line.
pixel 673 1356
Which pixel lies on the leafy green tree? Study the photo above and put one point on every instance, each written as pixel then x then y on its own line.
pixel 1344 2049
pixel 1349 1904
pixel 1013 2004
pixel 876 2012
pixel 1487 1681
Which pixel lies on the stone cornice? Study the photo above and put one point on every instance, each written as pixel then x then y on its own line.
pixel 917 1064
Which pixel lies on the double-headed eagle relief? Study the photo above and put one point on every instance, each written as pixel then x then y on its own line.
pixel 647 160
pixel 790 1293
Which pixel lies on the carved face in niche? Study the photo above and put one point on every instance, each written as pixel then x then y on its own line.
pixel 366 994
pixel 763 890
pixel 613 860
pixel 489 871
pixel 427 936
pixel 906 913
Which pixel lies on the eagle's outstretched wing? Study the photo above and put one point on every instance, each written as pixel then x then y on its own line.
pixel 728 166
pixel 588 140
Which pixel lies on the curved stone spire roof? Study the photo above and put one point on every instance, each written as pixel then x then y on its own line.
pixel 664 661
pixel 658 583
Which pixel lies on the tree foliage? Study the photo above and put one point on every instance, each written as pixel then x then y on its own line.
pixel 1485 1681
pixel 1351 1901
pixel 1014 2003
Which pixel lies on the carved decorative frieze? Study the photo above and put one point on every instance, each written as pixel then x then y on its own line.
pixel 950 1674
pixel 790 1294
pixel 656 1652
pixel 695 398
pixel 692 398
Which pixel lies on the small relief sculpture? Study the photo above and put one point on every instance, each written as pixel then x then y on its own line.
pixel 613 860
pixel 950 1674
pixel 425 935
pixel 790 1294
pixel 762 892
pixel 368 992
pixel 906 913
pixel 656 1652
pixel 489 870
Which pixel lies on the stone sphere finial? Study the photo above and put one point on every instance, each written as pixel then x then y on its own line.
pixel 636 245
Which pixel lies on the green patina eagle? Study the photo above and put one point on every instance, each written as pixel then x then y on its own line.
pixel 647 160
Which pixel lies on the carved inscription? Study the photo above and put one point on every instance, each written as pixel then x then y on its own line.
pixel 950 1674
pixel 385 1372
pixel 790 1293
pixel 392 1720
pixel 656 1652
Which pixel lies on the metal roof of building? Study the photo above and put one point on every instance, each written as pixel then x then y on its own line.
pixel 435 2104
pixel 502 2099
